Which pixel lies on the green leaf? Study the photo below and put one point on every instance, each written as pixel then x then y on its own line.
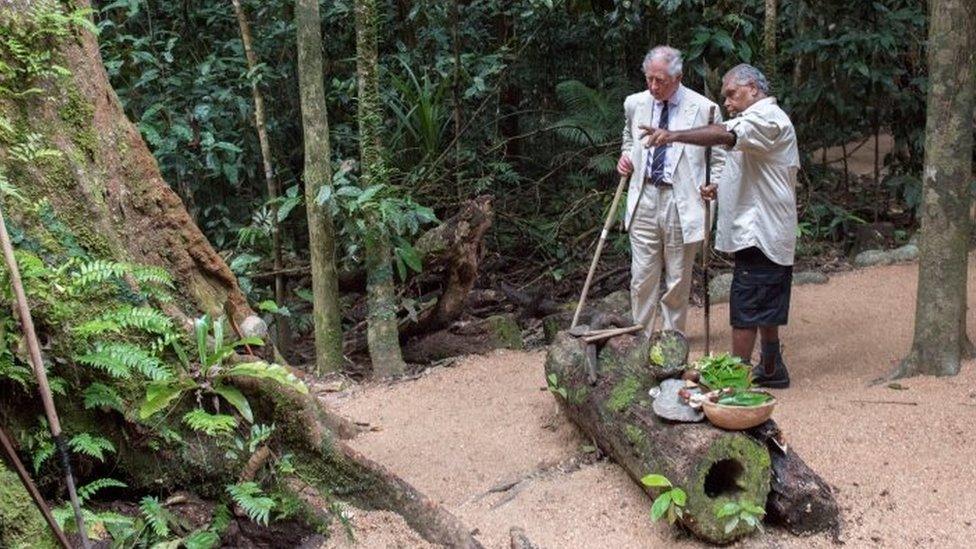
pixel 155 515
pixel 264 370
pixel 237 399
pixel 753 508
pixel 199 419
pixel 656 481
pixel 679 496
pixel 249 496
pixel 201 539
pixel 84 443
pixel 158 396
pixel 201 328
pixel 727 510
pixel 660 506
pixel 730 525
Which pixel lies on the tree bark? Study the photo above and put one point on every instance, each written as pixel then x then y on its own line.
pixel 269 178
pixel 712 466
pixel 318 174
pixel 770 27
pixel 382 332
pixel 940 341
pixel 105 192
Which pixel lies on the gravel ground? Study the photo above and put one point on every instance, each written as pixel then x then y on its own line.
pixel 903 473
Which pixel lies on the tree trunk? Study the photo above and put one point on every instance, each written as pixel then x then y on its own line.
pixel 712 466
pixel 272 185
pixel 97 192
pixel 382 334
pixel 940 340
pixel 769 37
pixel 318 174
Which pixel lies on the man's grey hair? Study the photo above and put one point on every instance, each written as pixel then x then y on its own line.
pixel 746 74
pixel 667 54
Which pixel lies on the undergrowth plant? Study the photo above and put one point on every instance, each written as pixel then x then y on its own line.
pixel 670 502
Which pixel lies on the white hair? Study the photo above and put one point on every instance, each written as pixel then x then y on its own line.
pixel 669 55
pixel 746 74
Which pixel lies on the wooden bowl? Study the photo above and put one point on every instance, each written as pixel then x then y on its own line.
pixel 737 418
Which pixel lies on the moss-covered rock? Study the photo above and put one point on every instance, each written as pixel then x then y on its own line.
pixel 21 524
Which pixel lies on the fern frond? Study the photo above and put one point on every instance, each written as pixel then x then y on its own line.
pixel 99 395
pixel 212 424
pixel 150 274
pixel 85 443
pixel 119 359
pixel 117 320
pixel 251 499
pixel 201 539
pixel 44 450
pixel 87 491
pixel 96 272
pixel 156 515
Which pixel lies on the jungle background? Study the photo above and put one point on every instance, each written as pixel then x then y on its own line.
pixel 486 128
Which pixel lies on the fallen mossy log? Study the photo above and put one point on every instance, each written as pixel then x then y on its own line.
pixel 712 466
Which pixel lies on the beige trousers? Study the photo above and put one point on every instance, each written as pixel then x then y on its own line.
pixel 657 245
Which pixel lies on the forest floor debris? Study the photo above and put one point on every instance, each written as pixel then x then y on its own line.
pixel 456 433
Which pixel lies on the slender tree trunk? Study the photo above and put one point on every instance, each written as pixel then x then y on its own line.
pixel 940 341
pixel 318 173
pixel 456 92
pixel 382 331
pixel 769 38
pixel 272 185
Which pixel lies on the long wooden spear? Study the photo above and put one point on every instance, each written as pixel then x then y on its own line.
pixel 705 240
pixel 8 448
pixel 34 348
pixel 599 248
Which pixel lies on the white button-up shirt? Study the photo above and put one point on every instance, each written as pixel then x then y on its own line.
pixel 670 155
pixel 757 193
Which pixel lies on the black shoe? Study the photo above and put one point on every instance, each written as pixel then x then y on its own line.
pixel 780 378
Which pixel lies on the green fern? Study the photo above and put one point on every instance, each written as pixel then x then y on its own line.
pixel 43 451
pixel 87 491
pixel 201 539
pixel 157 517
pixel 96 272
pixel 212 424
pixel 149 274
pixel 118 320
pixel 251 499
pixel 264 370
pixel 98 395
pixel 119 359
pixel 94 446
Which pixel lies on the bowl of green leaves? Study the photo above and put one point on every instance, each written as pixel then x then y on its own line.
pixel 732 404
pixel 739 409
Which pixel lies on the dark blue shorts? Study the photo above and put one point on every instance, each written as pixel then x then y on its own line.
pixel 760 291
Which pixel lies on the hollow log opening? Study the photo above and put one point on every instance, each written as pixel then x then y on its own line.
pixel 723 477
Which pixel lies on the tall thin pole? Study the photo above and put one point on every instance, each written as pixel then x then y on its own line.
pixel 705 241
pixel 599 248
pixel 25 479
pixel 27 326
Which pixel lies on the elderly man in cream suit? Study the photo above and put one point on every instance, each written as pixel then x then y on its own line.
pixel 665 211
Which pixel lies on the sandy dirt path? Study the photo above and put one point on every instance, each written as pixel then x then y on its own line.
pixel 903 473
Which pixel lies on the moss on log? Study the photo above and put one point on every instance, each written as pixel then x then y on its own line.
pixel 713 466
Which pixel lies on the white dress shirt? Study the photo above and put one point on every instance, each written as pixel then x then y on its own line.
pixel 670 154
pixel 757 192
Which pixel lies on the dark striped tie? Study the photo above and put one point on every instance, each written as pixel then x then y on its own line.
pixel 657 164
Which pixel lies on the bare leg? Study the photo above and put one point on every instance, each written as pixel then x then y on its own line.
pixel 743 341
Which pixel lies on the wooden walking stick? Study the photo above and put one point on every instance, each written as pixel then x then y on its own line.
pixel 705 240
pixel 27 326
pixel 25 479
pixel 599 247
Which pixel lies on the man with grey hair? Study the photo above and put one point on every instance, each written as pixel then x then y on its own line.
pixel 665 212
pixel 757 217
